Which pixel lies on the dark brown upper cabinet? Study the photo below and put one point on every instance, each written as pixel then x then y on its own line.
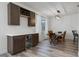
pixel 31 19
pixel 13 14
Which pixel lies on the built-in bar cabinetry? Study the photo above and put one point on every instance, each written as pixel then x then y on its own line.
pixel 14 13
pixel 16 43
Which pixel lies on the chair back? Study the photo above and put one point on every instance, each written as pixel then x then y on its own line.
pixel 50 33
pixel 75 33
pixel 64 34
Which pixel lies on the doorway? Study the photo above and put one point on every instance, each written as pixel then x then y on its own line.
pixel 43 27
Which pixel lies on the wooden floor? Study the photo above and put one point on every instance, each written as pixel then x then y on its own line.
pixel 44 49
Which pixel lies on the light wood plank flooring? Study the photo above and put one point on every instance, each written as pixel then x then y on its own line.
pixel 44 49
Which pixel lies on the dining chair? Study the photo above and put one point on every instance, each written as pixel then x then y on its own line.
pixel 61 38
pixel 75 34
pixel 50 33
pixel 52 37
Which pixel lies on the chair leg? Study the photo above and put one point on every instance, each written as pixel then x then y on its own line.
pixel 60 41
pixel 54 42
pixel 74 39
pixel 50 41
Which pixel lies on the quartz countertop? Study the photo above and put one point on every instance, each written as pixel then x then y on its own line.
pixel 14 34
pixel 19 34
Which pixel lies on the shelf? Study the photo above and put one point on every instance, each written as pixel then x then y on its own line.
pixel 24 12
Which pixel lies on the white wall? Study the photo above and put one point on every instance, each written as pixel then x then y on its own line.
pixel 68 23
pixel 7 29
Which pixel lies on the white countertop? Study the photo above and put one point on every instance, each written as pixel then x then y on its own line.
pixel 14 34
pixel 18 34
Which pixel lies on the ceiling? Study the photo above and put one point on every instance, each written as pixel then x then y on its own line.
pixel 50 8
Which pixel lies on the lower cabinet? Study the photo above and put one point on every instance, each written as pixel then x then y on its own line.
pixel 15 44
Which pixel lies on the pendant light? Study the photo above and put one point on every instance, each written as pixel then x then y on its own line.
pixel 58 16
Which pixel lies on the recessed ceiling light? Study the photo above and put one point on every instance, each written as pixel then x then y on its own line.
pixel 58 11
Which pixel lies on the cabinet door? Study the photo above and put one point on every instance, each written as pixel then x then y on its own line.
pixel 31 19
pixel 18 43
pixel 35 39
pixel 14 14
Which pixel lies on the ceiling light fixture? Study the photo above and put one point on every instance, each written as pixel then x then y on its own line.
pixel 58 11
pixel 57 17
